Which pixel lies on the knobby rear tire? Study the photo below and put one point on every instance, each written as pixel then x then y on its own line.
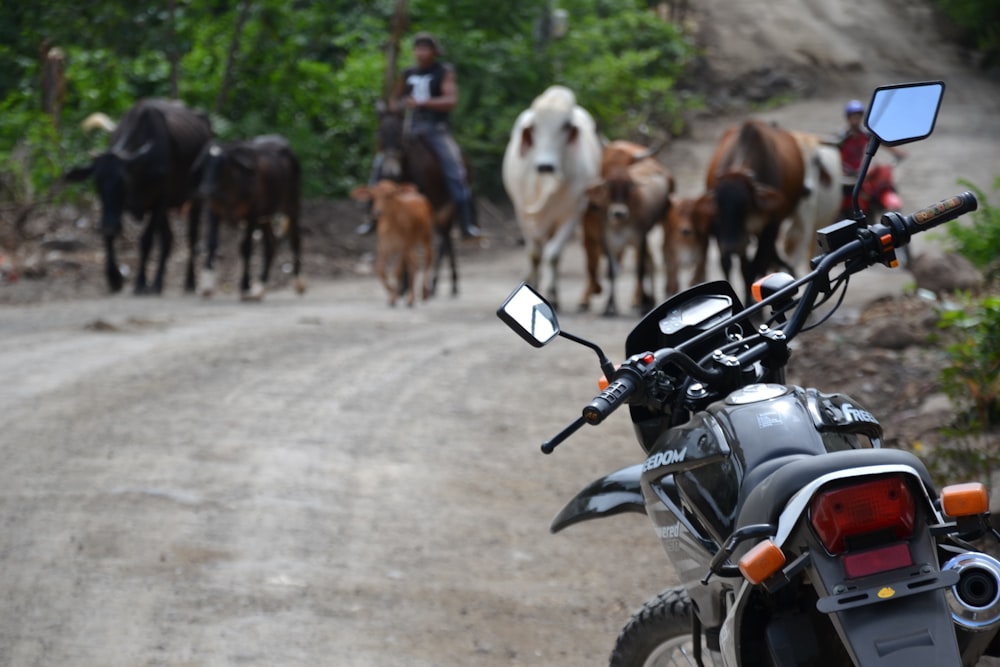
pixel 659 634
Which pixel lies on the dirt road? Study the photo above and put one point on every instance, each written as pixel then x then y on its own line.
pixel 327 481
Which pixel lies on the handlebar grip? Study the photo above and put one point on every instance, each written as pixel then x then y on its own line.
pixel 610 399
pixel 942 212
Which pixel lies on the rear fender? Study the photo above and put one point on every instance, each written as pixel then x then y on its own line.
pixel 914 630
pixel 613 494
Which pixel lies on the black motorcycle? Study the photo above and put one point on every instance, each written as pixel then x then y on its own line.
pixel 801 541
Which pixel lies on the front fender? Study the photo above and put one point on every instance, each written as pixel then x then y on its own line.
pixel 613 494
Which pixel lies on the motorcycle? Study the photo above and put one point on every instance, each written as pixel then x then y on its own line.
pixel 799 539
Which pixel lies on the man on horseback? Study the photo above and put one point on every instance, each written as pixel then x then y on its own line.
pixel 429 89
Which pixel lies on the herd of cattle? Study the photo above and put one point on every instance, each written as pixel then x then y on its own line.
pixel 162 157
pixel 559 173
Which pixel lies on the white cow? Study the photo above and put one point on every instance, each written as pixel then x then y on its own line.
pixel 553 156
pixel 820 201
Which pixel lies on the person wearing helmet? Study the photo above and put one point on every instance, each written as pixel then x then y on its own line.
pixel 853 141
pixel 429 89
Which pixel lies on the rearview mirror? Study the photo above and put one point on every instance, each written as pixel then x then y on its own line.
pixel 906 112
pixel 530 315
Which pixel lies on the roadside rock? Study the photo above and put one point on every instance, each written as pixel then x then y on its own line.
pixel 945 273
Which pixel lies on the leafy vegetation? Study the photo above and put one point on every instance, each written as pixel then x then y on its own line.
pixel 980 20
pixel 978 241
pixel 971 380
pixel 314 71
pixel 970 334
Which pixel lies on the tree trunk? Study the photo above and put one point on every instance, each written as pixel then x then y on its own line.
pixel 396 29
pixel 234 50
pixel 173 55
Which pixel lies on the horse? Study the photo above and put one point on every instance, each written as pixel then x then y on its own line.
pixel 407 158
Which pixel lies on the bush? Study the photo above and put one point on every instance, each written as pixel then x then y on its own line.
pixel 980 20
pixel 978 240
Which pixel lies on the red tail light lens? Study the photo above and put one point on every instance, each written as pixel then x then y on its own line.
pixel 881 507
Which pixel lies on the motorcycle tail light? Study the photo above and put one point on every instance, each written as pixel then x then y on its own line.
pixel 960 500
pixel 758 564
pixel 863 515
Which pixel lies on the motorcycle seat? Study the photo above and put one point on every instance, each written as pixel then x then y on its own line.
pixel 790 474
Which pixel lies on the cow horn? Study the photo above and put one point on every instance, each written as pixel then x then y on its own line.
pixel 132 156
pixel 98 121
pixel 651 151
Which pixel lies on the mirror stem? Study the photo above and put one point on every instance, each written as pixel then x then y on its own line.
pixel 873 144
pixel 606 365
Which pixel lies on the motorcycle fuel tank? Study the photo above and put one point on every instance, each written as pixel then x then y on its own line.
pixel 721 453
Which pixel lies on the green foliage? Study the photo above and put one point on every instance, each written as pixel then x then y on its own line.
pixel 313 72
pixel 979 242
pixel 980 20
pixel 971 380
pixel 624 67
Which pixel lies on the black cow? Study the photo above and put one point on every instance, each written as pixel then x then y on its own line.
pixel 147 169
pixel 259 183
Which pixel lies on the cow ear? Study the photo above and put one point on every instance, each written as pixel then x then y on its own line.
pixel 527 140
pixel 705 206
pixel 244 160
pixel 768 199
pixel 598 193
pixel 78 174
pixel 572 132
pixel 361 193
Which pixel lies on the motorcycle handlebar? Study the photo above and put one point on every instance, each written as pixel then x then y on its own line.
pixel 901 228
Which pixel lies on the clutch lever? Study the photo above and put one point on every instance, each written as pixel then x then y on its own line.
pixel 555 441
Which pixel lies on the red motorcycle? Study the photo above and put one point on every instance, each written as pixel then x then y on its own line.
pixel 878 194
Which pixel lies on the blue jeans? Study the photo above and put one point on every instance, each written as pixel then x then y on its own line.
pixel 439 138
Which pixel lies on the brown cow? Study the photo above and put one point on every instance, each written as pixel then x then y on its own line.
pixel 632 197
pixel 404 225
pixel 685 239
pixel 756 179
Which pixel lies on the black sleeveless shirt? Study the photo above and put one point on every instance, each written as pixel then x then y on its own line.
pixel 423 84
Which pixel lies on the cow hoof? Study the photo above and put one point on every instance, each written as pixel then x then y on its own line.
pixel 300 286
pixel 206 283
pixel 256 292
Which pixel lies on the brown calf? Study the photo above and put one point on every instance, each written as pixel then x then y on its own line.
pixel 685 239
pixel 630 200
pixel 405 225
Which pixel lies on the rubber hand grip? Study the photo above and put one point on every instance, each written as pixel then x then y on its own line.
pixel 942 212
pixel 608 400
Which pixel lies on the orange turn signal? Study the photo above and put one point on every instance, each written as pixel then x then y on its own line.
pixel 758 564
pixel 757 289
pixel 967 499
pixel 603 383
